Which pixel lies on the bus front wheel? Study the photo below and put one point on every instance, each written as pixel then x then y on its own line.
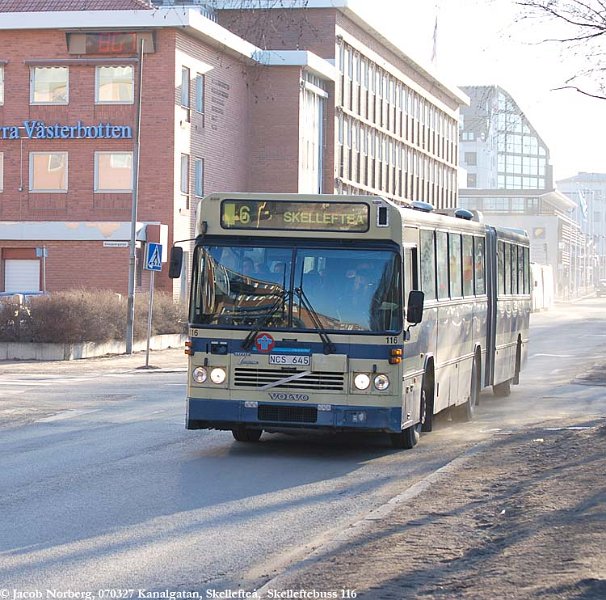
pixel 407 438
pixel 243 434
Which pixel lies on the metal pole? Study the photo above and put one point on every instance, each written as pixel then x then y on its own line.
pixel 130 311
pixel 149 315
pixel 44 253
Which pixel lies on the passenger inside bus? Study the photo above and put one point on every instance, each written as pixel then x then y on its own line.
pixel 362 284
pixel 356 295
pixel 248 266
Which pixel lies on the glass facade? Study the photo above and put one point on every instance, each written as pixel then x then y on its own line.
pixel 499 147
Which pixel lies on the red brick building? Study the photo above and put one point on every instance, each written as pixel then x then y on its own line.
pixel 275 100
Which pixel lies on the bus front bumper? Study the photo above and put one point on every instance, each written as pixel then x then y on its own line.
pixel 229 414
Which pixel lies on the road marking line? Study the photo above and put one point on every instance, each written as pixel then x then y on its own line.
pixel 28 383
pixel 68 414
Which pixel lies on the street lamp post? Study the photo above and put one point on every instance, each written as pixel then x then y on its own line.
pixel 132 258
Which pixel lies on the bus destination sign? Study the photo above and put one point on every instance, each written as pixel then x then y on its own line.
pixel 294 215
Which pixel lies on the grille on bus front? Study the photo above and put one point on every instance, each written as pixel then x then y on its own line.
pixel 287 414
pixel 319 380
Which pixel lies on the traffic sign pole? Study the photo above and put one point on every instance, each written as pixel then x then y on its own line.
pixel 149 315
pixel 153 263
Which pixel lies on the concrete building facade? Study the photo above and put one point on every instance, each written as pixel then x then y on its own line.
pixel 588 191
pixel 107 105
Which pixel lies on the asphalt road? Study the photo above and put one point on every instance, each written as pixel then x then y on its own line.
pixel 102 488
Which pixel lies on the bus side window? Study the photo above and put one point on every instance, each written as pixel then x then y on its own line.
pixel 514 269
pixel 521 270
pixel 456 283
pixel 501 268
pixel 478 248
pixel 428 265
pixel 507 256
pixel 467 266
pixel 442 263
pixel 521 286
pixel 527 286
pixel 410 269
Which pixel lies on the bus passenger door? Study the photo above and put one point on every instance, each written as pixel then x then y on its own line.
pixel 412 351
pixel 412 377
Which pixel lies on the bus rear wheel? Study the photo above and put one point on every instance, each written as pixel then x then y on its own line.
pixel 465 412
pixel 426 408
pixel 244 434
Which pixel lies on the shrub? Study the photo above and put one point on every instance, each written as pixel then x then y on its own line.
pixel 15 321
pixel 78 316
pixel 86 316
pixel 168 316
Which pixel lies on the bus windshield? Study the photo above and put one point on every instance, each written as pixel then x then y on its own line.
pixel 297 288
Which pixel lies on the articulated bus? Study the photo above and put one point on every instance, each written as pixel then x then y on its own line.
pixel 349 313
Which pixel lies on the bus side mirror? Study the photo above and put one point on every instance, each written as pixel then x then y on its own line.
pixel 176 262
pixel 414 307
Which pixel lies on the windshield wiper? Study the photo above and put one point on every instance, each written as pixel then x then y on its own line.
pixel 262 321
pixel 329 347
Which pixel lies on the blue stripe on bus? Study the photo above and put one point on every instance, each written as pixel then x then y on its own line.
pixel 288 350
pixel 224 414
pixel 378 350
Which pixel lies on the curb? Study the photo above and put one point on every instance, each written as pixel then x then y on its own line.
pixel 60 352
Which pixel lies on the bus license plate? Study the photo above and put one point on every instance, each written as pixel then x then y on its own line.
pixel 289 359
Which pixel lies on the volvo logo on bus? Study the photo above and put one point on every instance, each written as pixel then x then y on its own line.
pixel 281 396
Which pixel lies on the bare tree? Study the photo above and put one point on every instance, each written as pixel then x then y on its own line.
pixel 581 31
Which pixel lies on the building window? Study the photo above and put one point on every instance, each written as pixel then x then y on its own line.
pixel 21 275
pixel 48 171
pixel 49 85
pixel 113 171
pixel 200 93
pixel 1 84
pixel 472 180
pixel 199 177
pixel 185 174
pixel 114 85
pixel 471 158
pixel 185 87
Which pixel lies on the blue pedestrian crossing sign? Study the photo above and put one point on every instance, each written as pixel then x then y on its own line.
pixel 153 257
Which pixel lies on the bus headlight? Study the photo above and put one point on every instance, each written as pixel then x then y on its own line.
pixel 218 375
pixel 199 374
pixel 362 381
pixel 381 382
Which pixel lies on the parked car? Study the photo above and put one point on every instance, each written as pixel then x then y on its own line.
pixel 601 288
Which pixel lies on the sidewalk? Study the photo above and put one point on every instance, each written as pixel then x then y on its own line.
pixel 173 359
pixel 521 516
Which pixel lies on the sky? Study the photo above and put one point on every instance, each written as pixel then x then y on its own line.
pixel 483 42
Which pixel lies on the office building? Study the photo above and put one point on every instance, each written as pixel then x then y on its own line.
pixel 111 105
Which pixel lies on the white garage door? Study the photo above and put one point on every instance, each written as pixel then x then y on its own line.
pixel 22 275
